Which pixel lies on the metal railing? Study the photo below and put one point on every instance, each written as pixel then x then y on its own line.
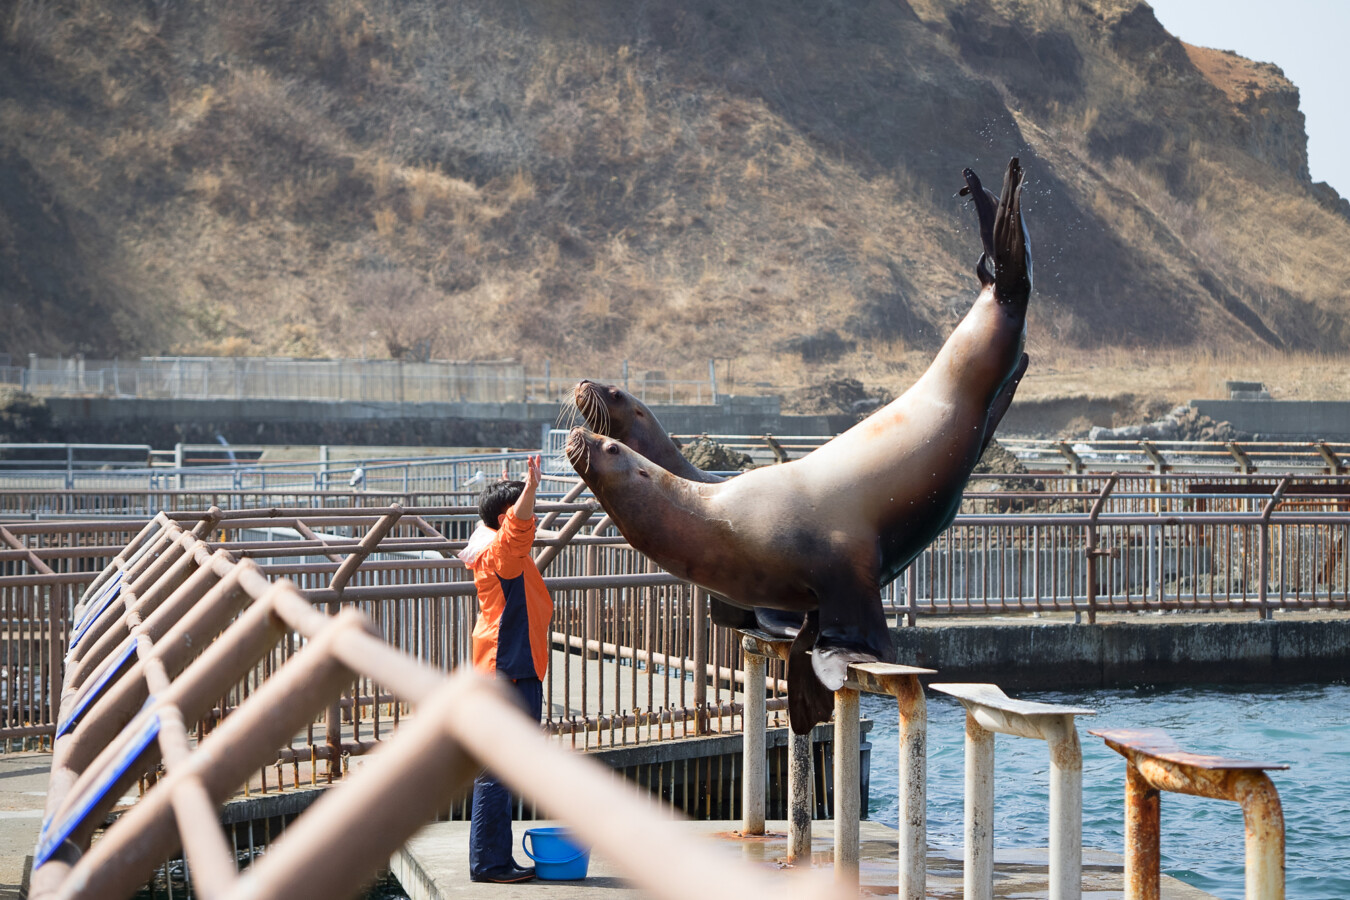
pixel 339 380
pixel 1248 457
pixel 624 629
pixel 170 625
pixel 1154 764
pixel 635 657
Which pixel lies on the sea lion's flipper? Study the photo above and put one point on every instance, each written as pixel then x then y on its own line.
pixel 986 207
pixel 729 615
pixel 1002 401
pixel 778 622
pixel 853 627
pixel 809 701
pixel 1012 246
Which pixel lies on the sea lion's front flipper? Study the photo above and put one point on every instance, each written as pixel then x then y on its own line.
pixel 780 623
pixel 853 627
pixel 1002 401
pixel 730 615
pixel 809 701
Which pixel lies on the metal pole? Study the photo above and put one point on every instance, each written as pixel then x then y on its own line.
pixel 913 799
pixel 1263 818
pixel 1143 824
pixel 712 379
pixel 978 877
pixel 799 800
pixel 847 796
pixel 700 661
pixel 752 771
pixel 1066 808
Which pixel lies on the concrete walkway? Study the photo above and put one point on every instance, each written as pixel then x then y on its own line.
pixel 434 865
pixel 23 794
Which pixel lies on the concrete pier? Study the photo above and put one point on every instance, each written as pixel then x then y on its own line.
pixel 434 865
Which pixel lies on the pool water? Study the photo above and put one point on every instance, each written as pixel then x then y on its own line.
pixel 1306 726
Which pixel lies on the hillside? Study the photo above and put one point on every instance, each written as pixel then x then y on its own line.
pixel 662 182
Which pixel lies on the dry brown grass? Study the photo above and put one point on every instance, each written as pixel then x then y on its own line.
pixel 580 186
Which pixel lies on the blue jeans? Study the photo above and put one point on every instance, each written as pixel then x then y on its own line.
pixel 490 839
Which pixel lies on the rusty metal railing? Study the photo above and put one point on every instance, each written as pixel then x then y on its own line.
pixel 623 629
pixel 1154 764
pixel 172 624
pixel 900 682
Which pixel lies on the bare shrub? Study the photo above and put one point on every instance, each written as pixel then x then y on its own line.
pixel 403 309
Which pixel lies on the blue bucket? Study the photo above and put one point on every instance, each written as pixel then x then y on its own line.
pixel 556 857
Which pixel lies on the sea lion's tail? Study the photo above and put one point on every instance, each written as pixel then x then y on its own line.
pixel 1003 235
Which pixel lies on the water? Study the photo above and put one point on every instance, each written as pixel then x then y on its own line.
pixel 1307 726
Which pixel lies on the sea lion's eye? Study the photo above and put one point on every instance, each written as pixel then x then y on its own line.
pixel 644 473
pixel 612 448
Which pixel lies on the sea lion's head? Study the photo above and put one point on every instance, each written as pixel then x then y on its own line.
pixel 600 459
pixel 630 487
pixel 610 410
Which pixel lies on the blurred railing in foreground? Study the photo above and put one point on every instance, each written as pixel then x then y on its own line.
pixel 171 625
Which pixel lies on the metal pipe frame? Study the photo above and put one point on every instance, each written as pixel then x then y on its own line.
pixel 902 683
pixel 466 720
pixel 1154 763
pixel 990 711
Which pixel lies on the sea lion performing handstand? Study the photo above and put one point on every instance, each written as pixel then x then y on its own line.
pixel 822 534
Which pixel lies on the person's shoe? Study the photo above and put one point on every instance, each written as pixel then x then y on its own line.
pixel 512 874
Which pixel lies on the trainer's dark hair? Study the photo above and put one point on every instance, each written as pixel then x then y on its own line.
pixel 496 499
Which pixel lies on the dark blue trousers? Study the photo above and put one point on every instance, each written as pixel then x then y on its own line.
pixel 490 840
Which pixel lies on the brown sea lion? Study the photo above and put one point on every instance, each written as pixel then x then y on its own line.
pixel 611 411
pixel 822 534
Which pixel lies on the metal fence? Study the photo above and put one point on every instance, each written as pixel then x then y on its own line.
pixel 187 666
pixel 635 650
pixel 364 380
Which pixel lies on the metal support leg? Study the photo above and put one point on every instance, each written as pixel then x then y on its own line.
pixel 800 801
pixel 847 799
pixel 978 874
pixel 752 772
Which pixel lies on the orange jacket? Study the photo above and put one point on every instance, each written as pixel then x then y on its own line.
pixel 515 610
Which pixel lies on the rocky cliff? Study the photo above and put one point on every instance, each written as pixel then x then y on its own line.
pixel 658 181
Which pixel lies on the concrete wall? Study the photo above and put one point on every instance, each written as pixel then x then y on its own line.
pixel 1282 419
pixel 164 422
pixel 1064 655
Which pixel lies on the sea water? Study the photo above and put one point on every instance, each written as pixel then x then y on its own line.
pixel 1306 726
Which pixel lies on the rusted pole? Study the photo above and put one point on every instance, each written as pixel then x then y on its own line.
pixel 800 802
pixel 1143 830
pixel 1155 763
pixel 700 626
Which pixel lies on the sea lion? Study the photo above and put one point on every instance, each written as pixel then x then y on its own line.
pixel 822 534
pixel 611 411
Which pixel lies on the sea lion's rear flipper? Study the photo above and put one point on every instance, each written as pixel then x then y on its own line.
pixel 729 615
pixel 809 701
pixel 780 623
pixel 1012 246
pixel 986 207
pixel 853 629
pixel 1002 401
